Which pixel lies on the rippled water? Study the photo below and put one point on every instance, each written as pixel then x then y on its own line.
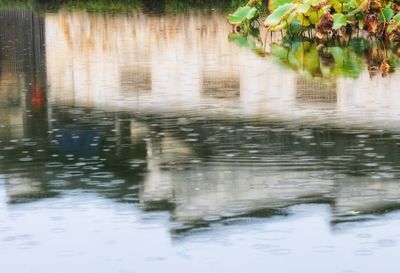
pixel 147 143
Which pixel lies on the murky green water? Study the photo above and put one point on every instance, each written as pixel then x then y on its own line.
pixel 142 142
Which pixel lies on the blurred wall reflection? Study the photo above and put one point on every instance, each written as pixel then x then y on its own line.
pixel 176 63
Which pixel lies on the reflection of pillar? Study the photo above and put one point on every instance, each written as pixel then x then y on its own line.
pixel 124 136
pixel 316 90
pixel 36 123
pixel 22 69
pixel 157 189
pixel 22 77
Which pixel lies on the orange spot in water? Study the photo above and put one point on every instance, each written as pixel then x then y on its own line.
pixel 38 97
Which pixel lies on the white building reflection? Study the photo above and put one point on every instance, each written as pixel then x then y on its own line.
pixel 184 63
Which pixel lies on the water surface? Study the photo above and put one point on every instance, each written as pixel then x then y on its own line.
pixel 147 142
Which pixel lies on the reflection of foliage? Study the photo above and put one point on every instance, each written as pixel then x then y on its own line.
pixel 91 5
pixel 185 5
pixel 312 59
pixel 331 59
pixel 16 4
pixel 159 6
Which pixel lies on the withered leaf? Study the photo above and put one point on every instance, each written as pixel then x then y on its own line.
pixel 325 24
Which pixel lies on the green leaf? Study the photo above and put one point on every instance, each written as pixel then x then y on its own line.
pixel 394 23
pixel 303 20
pixel 304 8
pixel 314 17
pixel 386 14
pixel 295 26
pixel 353 4
pixel 279 15
pixel 396 18
pixel 339 20
pixel 340 6
pixel 253 13
pixel 274 4
pixel 311 2
pixel 242 14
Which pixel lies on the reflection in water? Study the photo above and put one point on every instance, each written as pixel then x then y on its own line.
pixel 168 65
pixel 152 136
pixel 164 114
pixel 338 57
pixel 316 90
pixel 205 169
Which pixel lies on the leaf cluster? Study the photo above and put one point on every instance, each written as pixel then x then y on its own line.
pixel 375 18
